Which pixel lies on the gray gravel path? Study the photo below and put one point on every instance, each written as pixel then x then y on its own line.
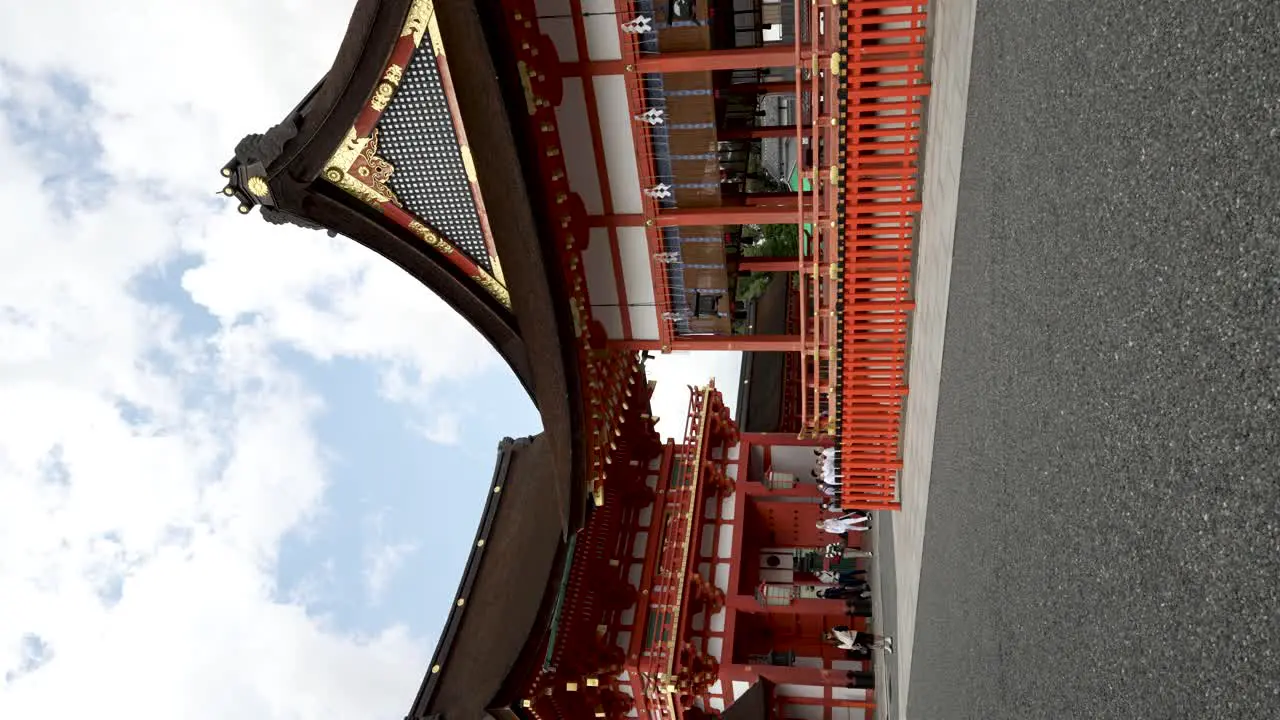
pixel 1103 537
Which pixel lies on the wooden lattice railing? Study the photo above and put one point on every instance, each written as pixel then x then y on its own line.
pixel 884 91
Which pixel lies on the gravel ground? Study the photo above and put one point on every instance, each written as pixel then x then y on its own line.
pixel 1103 537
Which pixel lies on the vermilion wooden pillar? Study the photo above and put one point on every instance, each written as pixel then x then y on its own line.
pixel 748 58
pixel 779 198
pixel 764 88
pixel 728 343
pixel 758 208
pixel 727 216
pixel 781 440
pixel 739 343
pixel 751 133
pixel 781 675
pixel 804 490
pixel 768 264
pixel 832 702
pixel 801 606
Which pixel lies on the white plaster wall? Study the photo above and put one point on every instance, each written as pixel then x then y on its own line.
pixel 597 260
pixel 616 127
pixel 573 124
pixel 601 25
pixel 797 460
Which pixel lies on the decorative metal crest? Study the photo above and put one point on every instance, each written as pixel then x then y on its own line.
pixel 356 168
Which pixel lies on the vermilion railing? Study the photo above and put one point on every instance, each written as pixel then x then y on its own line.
pixel 857 200
pixel 642 138
pixel 884 92
pixel 817 199
pixel 666 590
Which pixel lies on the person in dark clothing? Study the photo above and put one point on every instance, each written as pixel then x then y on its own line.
pixel 844 593
pixel 860 679
pixel 858 608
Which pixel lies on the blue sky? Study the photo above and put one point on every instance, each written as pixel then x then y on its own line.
pixel 391 488
pixel 240 464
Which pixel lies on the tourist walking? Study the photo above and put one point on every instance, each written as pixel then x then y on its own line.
pixel 853 522
pixel 847 639
pixel 845 593
pixel 843 577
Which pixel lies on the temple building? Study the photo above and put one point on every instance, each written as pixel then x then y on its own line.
pixel 691 591
pixel 591 181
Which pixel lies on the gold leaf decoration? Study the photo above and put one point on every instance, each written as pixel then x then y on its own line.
pixel 415 24
pixel 258 186
pixel 382 96
pixel 530 101
pixel 437 41
pixel 394 74
pixel 430 237
pixel 356 168
pixel 576 312
pixel 497 270
pixel 468 163
pixel 496 290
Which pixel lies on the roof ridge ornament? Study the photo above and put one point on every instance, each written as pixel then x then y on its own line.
pixel 266 147
pixel 249 179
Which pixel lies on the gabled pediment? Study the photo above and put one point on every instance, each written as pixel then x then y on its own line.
pixel 407 156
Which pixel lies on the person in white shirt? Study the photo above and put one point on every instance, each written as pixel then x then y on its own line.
pixel 843 577
pixel 824 465
pixel 842 525
pixel 847 639
pixel 827 475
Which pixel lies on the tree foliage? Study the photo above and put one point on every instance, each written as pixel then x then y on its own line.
pixel 778 240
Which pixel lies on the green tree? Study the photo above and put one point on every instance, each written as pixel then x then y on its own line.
pixel 751 287
pixel 777 240
pixel 781 240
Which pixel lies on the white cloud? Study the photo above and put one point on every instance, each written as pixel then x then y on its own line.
pixel 331 297
pixel 381 565
pixel 148 475
pixel 675 372
pixel 444 429
pixel 382 559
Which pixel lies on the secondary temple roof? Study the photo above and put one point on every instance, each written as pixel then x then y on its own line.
pixel 501 602
pixel 752 705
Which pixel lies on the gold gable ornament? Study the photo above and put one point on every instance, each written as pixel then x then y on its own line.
pixel 356 168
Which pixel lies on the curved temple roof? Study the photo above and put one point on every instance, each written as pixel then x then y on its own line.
pixel 393 150
pixel 382 152
pixel 500 601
